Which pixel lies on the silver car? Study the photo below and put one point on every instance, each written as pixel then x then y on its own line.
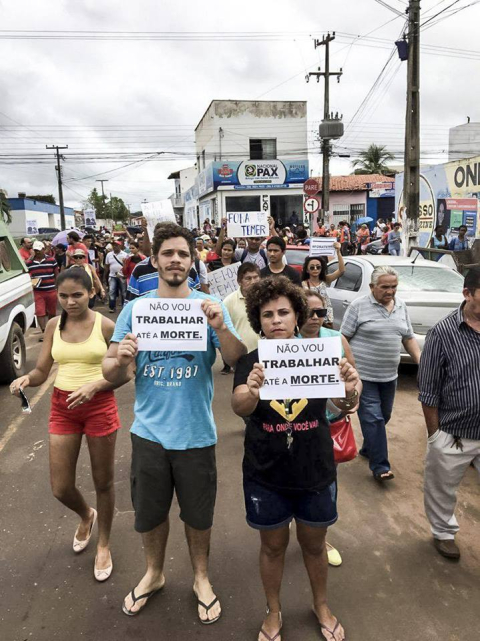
pixel 430 290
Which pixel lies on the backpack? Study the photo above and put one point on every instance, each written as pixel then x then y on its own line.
pixel 261 252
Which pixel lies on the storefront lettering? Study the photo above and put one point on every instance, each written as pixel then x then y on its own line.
pixel 468 175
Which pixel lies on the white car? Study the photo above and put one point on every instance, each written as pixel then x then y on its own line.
pixel 17 308
pixel 430 290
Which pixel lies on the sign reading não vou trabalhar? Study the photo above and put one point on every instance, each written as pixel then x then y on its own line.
pixel 247 224
pixel 305 368
pixel 169 324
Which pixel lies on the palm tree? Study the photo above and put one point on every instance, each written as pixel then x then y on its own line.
pixel 5 208
pixel 373 161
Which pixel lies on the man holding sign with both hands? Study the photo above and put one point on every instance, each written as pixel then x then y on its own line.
pixel 173 351
pixel 288 467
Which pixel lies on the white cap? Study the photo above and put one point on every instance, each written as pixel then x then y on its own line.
pixel 38 246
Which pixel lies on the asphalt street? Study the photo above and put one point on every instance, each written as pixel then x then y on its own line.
pixel 392 586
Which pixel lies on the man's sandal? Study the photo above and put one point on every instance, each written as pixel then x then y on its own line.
pixel 384 476
pixel 146 596
pixel 267 636
pixel 207 608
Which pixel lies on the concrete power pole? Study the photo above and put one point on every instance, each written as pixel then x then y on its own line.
pixel 103 196
pixel 411 186
pixel 60 188
pixel 326 126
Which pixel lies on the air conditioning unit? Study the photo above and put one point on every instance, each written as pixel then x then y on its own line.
pixel 331 128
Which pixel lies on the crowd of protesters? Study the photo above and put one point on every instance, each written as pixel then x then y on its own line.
pixel 286 475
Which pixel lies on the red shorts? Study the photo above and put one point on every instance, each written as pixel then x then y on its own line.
pixel 96 417
pixel 45 302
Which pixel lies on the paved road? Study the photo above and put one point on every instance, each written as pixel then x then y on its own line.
pixel 392 586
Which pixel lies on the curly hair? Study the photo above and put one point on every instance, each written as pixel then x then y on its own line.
pixel 269 289
pixel 165 231
pixel 323 271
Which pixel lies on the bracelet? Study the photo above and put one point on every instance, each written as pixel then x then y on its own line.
pixel 351 401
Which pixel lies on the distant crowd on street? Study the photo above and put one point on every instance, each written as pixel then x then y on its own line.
pixel 289 465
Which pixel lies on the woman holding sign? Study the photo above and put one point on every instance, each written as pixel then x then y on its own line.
pixel 288 467
pixel 82 403
pixel 316 279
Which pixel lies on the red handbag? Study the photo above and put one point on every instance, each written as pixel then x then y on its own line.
pixel 344 445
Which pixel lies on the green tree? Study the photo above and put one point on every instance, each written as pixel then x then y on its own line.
pixel 44 199
pixel 373 161
pixel 118 211
pixel 97 201
pixel 5 207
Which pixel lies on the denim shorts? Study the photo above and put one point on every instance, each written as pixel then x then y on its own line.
pixel 269 508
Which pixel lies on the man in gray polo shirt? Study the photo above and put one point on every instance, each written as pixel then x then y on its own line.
pixel 376 326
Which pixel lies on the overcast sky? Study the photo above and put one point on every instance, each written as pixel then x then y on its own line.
pixel 147 96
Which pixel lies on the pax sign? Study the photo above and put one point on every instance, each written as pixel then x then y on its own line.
pixel 311 187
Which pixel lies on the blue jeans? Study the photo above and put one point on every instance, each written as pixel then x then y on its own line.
pixel 374 412
pixel 116 287
pixel 394 251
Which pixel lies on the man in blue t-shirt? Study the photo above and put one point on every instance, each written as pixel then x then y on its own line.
pixel 173 433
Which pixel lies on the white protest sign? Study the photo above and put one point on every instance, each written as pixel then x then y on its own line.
pixel 320 246
pixel 247 224
pixel 89 217
pixel 169 324
pixel 301 368
pixel 223 281
pixel 31 227
pixel 160 211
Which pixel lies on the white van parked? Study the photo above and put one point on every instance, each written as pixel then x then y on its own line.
pixel 17 308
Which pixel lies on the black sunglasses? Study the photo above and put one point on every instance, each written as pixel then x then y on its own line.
pixel 315 266
pixel 319 312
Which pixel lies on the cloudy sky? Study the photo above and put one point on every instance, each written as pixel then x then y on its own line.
pixel 119 99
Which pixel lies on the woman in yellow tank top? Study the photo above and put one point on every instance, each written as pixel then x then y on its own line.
pixel 82 403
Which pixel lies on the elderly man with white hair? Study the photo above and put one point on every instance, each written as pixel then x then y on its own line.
pixel 376 326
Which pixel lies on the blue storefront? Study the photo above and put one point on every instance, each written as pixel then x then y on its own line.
pixel 275 186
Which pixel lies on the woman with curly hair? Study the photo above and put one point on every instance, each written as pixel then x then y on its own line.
pixel 316 279
pixel 288 473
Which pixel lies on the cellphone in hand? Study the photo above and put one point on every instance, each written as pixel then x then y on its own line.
pixel 26 409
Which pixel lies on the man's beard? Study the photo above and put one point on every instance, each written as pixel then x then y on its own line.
pixel 173 279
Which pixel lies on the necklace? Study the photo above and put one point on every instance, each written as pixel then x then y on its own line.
pixel 288 405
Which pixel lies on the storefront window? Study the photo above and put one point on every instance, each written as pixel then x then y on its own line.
pixel 242 203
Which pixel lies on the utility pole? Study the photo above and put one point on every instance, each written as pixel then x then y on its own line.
pixel 60 188
pixel 103 196
pixel 325 128
pixel 411 186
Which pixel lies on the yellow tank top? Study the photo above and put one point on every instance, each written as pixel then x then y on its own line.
pixel 79 363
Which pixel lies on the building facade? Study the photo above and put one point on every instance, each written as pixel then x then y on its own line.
pixel 30 216
pixel 251 156
pixel 357 196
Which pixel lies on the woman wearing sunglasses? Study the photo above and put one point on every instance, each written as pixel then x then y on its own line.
pixel 315 278
pixel 313 328
pixel 79 259
pixel 288 473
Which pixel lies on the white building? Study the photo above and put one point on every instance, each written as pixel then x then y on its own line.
pixel 29 216
pixel 251 156
pixel 184 180
pixel 464 141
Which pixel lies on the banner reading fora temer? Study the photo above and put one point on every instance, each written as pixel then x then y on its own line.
pixel 169 324
pixel 301 368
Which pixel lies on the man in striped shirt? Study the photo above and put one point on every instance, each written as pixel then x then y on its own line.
pixel 43 272
pixel 449 382
pixel 376 326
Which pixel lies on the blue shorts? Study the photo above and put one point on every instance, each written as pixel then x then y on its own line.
pixel 269 509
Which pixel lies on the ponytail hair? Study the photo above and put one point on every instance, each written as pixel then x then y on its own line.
pixel 78 275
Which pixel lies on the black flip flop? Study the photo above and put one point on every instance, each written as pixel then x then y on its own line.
pixel 146 596
pixel 207 608
pixel 384 476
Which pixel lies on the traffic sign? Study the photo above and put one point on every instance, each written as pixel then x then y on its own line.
pixel 311 205
pixel 311 187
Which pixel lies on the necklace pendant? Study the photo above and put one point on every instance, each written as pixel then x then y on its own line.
pixel 289 440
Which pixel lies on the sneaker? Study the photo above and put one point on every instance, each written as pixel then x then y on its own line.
pixel 111 311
